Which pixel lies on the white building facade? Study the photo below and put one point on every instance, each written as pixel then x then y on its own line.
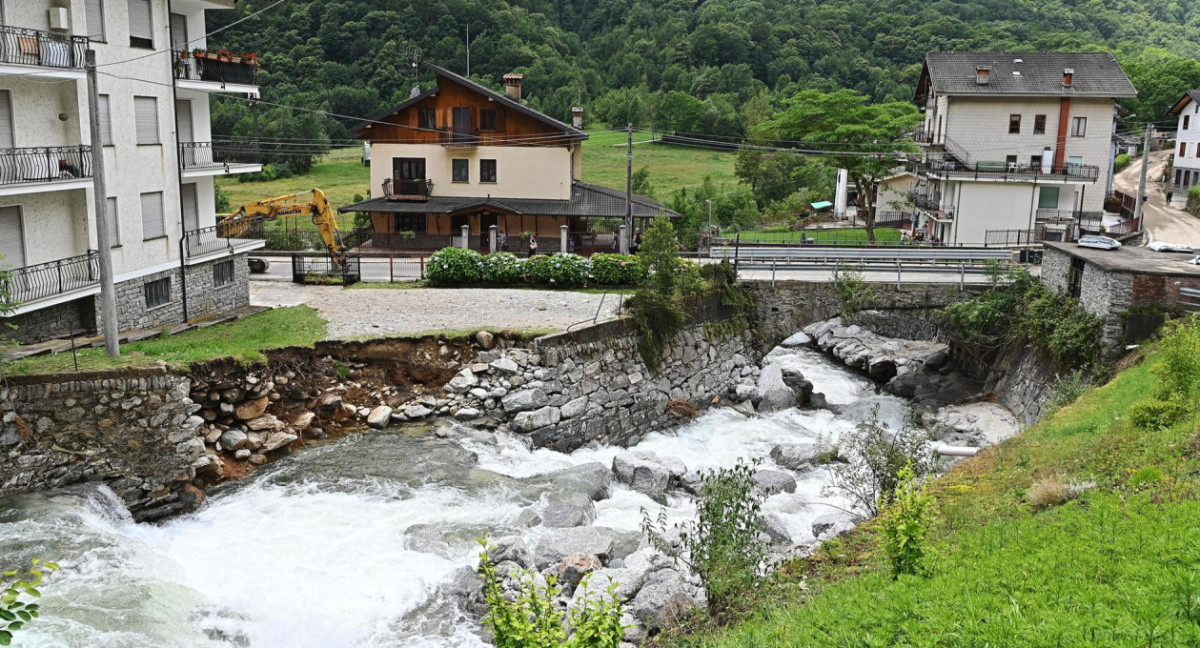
pixel 1185 168
pixel 170 263
pixel 1016 147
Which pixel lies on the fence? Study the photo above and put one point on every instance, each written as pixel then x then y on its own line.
pixel 1004 171
pixel 45 280
pixel 22 46
pixel 321 269
pixel 223 236
pixel 44 164
pixel 192 68
pixel 194 155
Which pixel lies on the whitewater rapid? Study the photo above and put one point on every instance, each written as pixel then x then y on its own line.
pixel 312 551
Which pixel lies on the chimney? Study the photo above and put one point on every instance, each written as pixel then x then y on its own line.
pixel 577 117
pixel 512 86
pixel 981 74
pixel 1068 76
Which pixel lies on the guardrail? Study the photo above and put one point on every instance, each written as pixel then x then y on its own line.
pixel 45 280
pixel 44 164
pixel 21 46
pixel 928 255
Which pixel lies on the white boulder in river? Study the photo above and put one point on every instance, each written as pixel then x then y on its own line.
pixel 774 393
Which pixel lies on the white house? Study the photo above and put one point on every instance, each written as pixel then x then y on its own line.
pixel 1014 145
pixel 1185 171
pixel 158 155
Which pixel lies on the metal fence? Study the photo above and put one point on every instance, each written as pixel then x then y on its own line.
pixel 321 269
pixel 196 155
pixel 1004 171
pixel 223 236
pixel 45 280
pixel 22 46
pixel 191 68
pixel 44 164
pixel 1036 236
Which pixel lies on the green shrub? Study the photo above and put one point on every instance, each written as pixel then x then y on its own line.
pixel 1193 201
pixel 1179 372
pixel 690 281
pixel 501 268
pixel 1156 414
pixel 723 546
pixel 15 585
pixel 660 254
pixel 657 320
pixel 906 523
pixel 534 620
pixel 1121 161
pixel 558 271
pixel 618 270
pixel 454 266
pixel 875 459
pixel 853 292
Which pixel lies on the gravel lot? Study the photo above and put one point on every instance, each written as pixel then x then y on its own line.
pixel 356 313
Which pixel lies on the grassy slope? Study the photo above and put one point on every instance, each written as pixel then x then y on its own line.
pixel 341 174
pixel 1099 571
pixel 671 167
pixel 243 339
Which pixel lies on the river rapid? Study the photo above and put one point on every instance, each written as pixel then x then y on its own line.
pixel 314 550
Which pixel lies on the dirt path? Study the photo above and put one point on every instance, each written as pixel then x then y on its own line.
pixel 1163 222
pixel 354 313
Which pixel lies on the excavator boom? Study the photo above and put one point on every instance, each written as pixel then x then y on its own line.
pixel 279 207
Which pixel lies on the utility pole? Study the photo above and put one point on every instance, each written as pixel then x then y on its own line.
pixel 108 297
pixel 708 234
pixel 627 243
pixel 1137 210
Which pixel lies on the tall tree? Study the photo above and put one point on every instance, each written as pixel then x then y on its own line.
pixel 858 136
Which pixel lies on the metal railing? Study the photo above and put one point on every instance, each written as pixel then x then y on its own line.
pixel 924 136
pixel 45 280
pixel 22 46
pixel 1124 228
pixel 44 164
pixel 931 201
pixel 452 138
pixel 1035 236
pixel 357 237
pixel 400 189
pixel 1068 215
pixel 321 269
pixel 199 155
pixel 953 169
pixel 226 236
pixel 190 68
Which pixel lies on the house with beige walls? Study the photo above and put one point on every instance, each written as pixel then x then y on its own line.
pixel 461 155
pixel 1015 146
pixel 159 159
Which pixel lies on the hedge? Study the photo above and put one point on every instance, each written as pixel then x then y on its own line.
pixel 457 267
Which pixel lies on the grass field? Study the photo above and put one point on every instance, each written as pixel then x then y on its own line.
pixel 244 339
pixel 1118 566
pixel 341 175
pixel 826 236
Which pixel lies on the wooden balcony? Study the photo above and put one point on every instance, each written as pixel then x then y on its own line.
pixel 407 190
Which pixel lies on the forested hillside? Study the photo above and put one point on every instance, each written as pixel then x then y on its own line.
pixel 619 58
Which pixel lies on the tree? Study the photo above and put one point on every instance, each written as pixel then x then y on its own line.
pixel 861 137
pixel 680 112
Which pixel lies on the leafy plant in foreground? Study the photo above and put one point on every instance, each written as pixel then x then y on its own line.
pixel 15 586
pixel 875 457
pixel 906 523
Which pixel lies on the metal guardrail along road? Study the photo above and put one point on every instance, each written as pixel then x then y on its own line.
pixel 849 256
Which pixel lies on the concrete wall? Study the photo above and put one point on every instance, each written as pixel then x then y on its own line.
pixel 55 224
pixel 984 206
pixel 521 171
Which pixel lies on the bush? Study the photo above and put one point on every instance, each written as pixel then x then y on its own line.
pixel 454 266
pixel 618 270
pixel 660 254
pixel 853 292
pixel 875 459
pixel 1179 372
pixel 558 271
pixel 1121 161
pixel 657 319
pixel 906 523
pixel 1048 493
pixel 1157 414
pixel 501 268
pixel 1193 201
pixel 723 546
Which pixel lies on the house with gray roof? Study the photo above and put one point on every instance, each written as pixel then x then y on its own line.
pixel 461 157
pixel 1015 146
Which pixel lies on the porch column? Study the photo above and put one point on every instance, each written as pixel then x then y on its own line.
pixel 466 236
pixel 562 239
pixel 492 230
pixel 624 234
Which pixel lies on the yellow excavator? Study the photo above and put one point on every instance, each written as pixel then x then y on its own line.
pixel 236 224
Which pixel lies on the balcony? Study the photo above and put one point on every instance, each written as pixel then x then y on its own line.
pixel 1083 218
pixel 201 159
pixel 42 54
pixel 224 238
pixel 44 168
pixel 1007 172
pixel 30 285
pixel 926 200
pixel 407 190
pixel 924 136
pixel 216 72
pixel 453 139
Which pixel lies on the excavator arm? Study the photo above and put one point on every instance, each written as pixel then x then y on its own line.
pixel 271 209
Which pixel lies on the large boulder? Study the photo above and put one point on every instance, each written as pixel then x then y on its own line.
pixel 511 548
pixel 773 527
pixel 233 439
pixel 774 481
pixel 647 473
pixel 536 419
pixel 524 400
pixel 799 339
pixel 252 409
pixel 564 514
pixel 795 456
pixel 775 394
pixel 557 544
pixel 380 417
pixel 573 568
pixel 593 478
pixel 664 600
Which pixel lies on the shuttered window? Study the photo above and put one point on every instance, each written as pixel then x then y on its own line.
pixel 145 115
pixel 222 273
pixel 191 209
pixel 153 224
pixel 105 111
pixel 141 24
pixel 6 122
pixel 94 14
pixel 12 238
pixel 158 292
pixel 112 221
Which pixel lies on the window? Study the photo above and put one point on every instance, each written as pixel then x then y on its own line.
pixel 1039 124
pixel 487 170
pixel 12 238
pixel 1010 162
pixel 7 139
pixel 408 168
pixel 1078 126
pixel 408 223
pixel 427 118
pixel 487 120
pixel 1187 120
pixel 1035 162
pixel 145 117
pixel 1048 198
pixel 153 225
pixel 141 24
pixel 461 170
pixel 105 120
pixel 1183 149
pixel 1075 278
pixel 1014 124
pixel 112 221
pixel 94 15
pixel 158 292
pixel 222 273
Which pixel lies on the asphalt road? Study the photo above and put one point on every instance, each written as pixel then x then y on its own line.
pixel 1162 222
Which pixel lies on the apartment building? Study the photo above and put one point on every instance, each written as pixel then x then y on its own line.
pixel 1185 168
pixel 1016 146
pixel 170 263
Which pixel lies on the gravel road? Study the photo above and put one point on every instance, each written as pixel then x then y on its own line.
pixel 1167 223
pixel 361 312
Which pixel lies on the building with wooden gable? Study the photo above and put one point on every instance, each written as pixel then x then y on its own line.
pixel 461 154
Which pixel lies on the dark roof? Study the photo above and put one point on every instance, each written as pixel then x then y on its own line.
pixel 1132 259
pixel 484 90
pixel 1097 74
pixel 1190 95
pixel 587 200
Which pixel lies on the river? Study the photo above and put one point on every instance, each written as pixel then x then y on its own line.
pixel 312 551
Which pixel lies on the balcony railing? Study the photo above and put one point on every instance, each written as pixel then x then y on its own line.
pixel 45 280
pixel 954 169
pixel 190 67
pixel 931 201
pixel 44 164
pixel 451 138
pixel 22 46
pixel 398 189
pixel 924 136
pixel 1036 236
pixel 1068 215
pixel 226 236
pixel 200 155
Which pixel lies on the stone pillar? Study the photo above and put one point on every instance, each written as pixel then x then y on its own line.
pixel 492 238
pixel 562 239
pixel 624 234
pixel 466 237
